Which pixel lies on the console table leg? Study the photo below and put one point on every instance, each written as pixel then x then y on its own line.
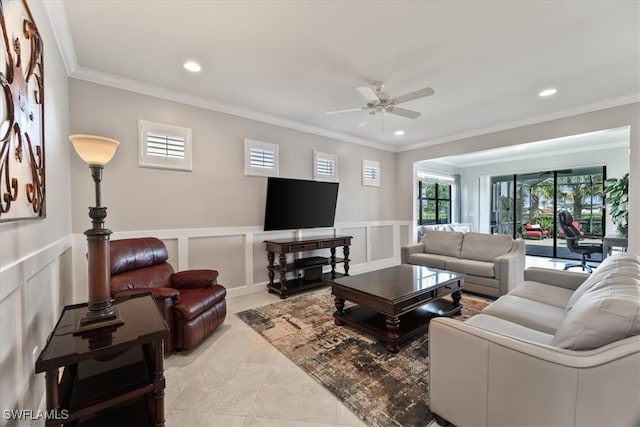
pixel 270 269
pixel 339 303
pixel 283 276
pixel 393 326
pixel 345 250
pixel 333 263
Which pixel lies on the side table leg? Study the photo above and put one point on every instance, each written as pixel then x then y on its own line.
pixel 53 401
pixel 339 303
pixel 283 276
pixel 393 326
pixel 158 382
pixel 345 250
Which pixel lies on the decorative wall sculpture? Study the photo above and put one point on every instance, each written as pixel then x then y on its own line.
pixel 22 166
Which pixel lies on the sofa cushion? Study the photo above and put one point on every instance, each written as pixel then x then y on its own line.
pixel 541 292
pixel 532 314
pixel 504 327
pixel 470 266
pixel 605 314
pixel 622 263
pixel 443 242
pixel 485 247
pixel 429 260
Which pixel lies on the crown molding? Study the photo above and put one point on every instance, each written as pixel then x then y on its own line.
pixel 82 73
pixel 60 27
pixel 610 103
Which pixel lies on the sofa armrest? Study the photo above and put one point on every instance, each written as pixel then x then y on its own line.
pixel 476 376
pixel 405 251
pixel 510 267
pixel 563 279
pixel 194 279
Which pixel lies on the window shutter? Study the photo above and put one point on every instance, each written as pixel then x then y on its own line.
pixel 325 167
pixel 371 173
pixel 262 158
pixel 166 146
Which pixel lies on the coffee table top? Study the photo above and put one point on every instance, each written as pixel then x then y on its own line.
pixel 399 281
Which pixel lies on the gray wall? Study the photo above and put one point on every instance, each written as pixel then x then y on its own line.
pixel 216 193
pixel 627 115
pixel 35 255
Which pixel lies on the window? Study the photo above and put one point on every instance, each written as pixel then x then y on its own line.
pixel 325 167
pixel 261 158
pixel 371 173
pixel 163 146
pixel 434 199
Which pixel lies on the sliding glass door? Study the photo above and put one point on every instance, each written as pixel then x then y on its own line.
pixel 527 205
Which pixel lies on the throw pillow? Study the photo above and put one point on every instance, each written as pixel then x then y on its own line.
pixel 602 316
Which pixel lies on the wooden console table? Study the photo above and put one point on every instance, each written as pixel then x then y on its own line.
pixel 112 376
pixel 313 276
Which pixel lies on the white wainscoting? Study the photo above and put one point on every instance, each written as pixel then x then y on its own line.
pixel 33 291
pixel 238 253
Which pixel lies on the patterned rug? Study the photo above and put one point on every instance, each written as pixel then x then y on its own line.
pixel 381 388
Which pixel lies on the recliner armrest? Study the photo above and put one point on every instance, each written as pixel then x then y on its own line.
pixel 194 279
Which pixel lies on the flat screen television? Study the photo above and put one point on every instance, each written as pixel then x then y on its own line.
pixel 297 203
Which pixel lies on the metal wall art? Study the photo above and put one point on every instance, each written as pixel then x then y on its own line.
pixel 22 172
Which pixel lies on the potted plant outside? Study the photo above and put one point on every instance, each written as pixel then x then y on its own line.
pixel 616 194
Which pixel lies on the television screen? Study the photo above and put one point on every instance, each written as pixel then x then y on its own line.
pixel 297 203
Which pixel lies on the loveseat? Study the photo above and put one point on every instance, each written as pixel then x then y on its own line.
pixel 561 349
pixel 493 263
pixel 192 302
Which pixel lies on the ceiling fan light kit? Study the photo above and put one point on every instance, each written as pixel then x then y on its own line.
pixel 379 102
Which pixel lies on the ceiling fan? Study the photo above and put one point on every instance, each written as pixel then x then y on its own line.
pixel 379 101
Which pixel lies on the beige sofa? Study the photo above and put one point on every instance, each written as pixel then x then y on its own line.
pixel 493 263
pixel 561 349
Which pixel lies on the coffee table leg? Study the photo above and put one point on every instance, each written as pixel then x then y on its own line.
pixel 456 297
pixel 393 326
pixel 339 303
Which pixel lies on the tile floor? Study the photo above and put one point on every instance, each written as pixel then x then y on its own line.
pixel 236 378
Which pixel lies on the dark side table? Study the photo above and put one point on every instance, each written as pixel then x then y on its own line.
pixel 113 375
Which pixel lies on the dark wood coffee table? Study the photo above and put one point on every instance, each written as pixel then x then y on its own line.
pixel 396 303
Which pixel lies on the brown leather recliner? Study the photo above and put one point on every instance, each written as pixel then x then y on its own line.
pixel 192 303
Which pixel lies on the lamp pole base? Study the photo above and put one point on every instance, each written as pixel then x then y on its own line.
pixel 93 320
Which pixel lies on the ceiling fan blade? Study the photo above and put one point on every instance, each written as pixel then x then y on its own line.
pixel 348 110
pixel 427 91
pixel 402 112
pixel 368 94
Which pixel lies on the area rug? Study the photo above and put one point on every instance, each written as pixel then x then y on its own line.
pixel 381 388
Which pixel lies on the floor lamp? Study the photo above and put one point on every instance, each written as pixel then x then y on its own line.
pixel 96 151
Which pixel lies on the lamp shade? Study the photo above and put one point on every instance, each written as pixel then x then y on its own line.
pixel 94 150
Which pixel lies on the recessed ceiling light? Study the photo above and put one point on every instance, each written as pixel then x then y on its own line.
pixel 548 92
pixel 192 66
pixel 399 132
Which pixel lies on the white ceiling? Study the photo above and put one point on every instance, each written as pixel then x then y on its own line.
pixel 288 62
